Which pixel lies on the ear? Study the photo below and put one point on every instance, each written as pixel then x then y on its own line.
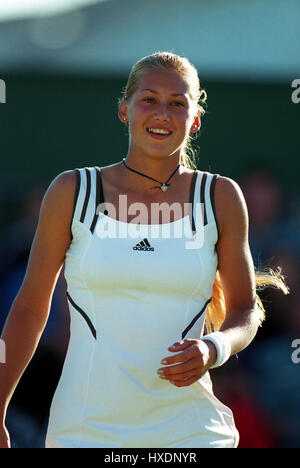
pixel 122 112
pixel 197 123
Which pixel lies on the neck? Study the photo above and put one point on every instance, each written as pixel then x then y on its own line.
pixel 158 168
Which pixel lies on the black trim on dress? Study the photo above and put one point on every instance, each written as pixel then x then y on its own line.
pixel 87 195
pixel 192 198
pixel 212 200
pixel 184 333
pixel 98 199
pixel 202 197
pixel 84 315
pixel 77 188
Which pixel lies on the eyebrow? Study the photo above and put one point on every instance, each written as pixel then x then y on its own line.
pixel 155 92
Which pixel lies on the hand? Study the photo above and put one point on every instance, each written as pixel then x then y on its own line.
pixel 194 358
pixel 4 437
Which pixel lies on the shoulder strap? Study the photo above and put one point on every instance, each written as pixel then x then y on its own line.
pixel 85 196
pixel 99 198
pixel 212 199
pixel 77 174
pixel 192 201
pixel 204 194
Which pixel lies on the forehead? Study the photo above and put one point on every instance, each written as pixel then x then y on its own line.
pixel 164 81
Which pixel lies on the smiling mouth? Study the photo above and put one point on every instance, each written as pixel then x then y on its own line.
pixel 159 132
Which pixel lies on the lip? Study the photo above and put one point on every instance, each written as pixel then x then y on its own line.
pixel 159 136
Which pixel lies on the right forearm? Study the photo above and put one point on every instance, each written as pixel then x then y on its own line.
pixel 20 336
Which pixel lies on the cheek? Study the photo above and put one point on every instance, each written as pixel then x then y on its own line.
pixel 185 123
pixel 136 126
pixel 137 115
pixel 184 117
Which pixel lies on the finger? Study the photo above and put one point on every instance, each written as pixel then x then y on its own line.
pixel 180 345
pixel 187 382
pixel 187 354
pixel 196 363
pixel 180 357
pixel 183 376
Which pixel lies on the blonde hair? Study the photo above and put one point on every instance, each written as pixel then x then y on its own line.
pixel 264 278
pixel 170 61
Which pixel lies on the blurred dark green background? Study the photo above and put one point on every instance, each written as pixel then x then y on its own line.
pixel 54 123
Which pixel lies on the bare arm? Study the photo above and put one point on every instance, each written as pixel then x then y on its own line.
pixel 237 276
pixel 30 309
pixel 235 266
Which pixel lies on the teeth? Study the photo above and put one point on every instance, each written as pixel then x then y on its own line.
pixel 158 130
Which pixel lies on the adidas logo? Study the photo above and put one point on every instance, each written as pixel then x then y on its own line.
pixel 144 245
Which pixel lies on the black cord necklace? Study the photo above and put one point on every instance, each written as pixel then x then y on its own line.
pixel 163 185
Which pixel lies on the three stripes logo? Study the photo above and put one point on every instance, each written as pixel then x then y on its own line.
pixel 143 245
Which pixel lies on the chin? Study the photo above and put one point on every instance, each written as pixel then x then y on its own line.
pixel 163 152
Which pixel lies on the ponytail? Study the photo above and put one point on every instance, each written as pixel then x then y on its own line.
pixel 264 278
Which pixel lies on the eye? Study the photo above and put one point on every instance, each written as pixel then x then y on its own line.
pixel 178 103
pixel 149 99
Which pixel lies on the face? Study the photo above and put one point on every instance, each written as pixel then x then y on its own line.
pixel 161 114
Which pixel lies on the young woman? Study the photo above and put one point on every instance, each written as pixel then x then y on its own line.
pixel 140 294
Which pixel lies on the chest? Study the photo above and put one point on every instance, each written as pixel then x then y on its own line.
pixel 152 207
pixel 161 259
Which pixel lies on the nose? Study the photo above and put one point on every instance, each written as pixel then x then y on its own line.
pixel 162 114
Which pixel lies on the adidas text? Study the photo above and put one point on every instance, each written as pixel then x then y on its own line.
pixel 144 245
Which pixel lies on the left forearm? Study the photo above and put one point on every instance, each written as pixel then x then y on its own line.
pixel 240 328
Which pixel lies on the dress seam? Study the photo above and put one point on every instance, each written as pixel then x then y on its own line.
pixel 84 404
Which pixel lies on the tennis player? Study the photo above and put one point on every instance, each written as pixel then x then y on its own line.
pixel 151 310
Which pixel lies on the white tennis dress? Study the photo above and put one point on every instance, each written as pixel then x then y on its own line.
pixel 133 291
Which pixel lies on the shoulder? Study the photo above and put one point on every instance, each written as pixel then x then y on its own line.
pixel 51 240
pixel 227 188
pixel 58 201
pixel 113 171
pixel 230 205
pixel 62 186
pixel 65 180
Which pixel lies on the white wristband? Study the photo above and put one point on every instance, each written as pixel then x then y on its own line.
pixel 222 345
